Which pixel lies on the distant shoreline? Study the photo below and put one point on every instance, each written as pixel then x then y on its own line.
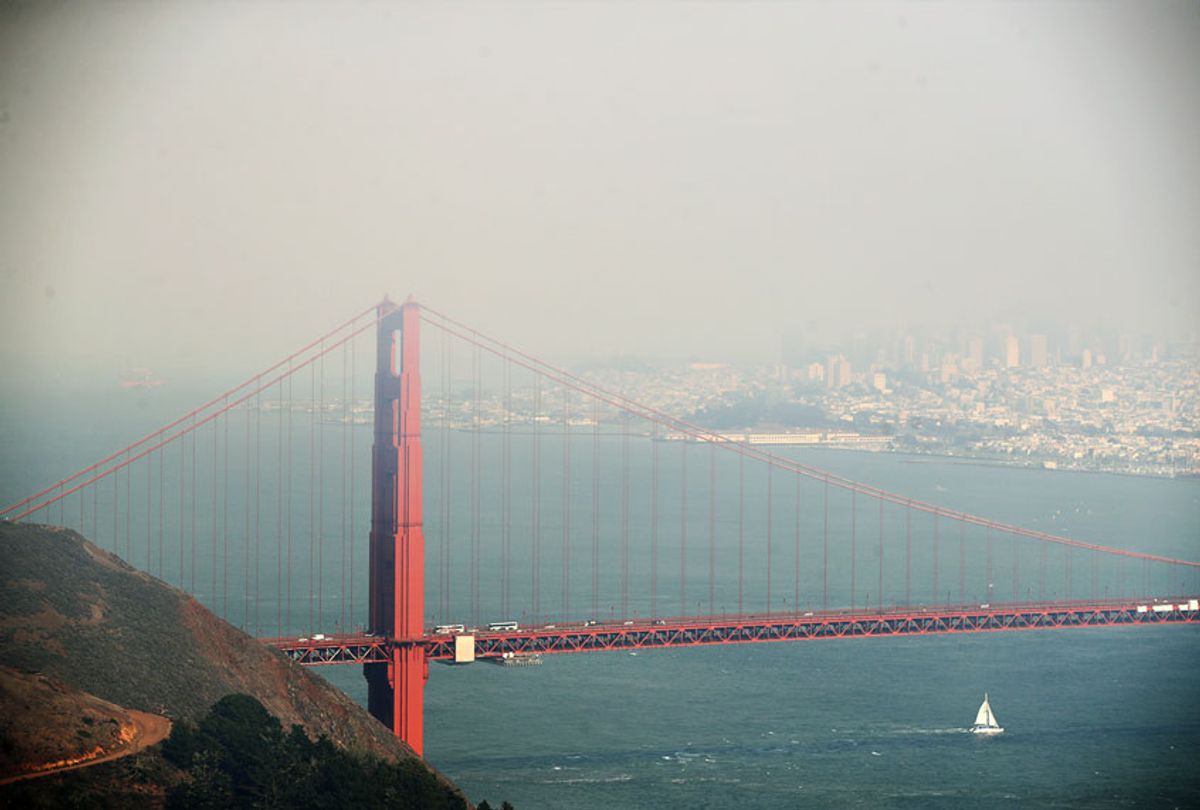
pixel 916 457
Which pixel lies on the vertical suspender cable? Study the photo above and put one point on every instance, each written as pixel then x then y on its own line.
pixel 346 427
pixel 225 516
pixel 625 513
pixel 683 527
pixel 246 531
pixel 796 558
pixel 117 513
pixel 825 552
pixel 1016 575
pixel 182 503
pixel 446 451
pixel 506 494
pixel 192 532
pixel 1042 571
pixel 162 508
pixel 257 510
pixel 353 464
pixel 741 531
pixel 987 587
pixel 962 563
pixel 129 504
pixel 595 506
pixel 536 537
pixel 566 550
pixel 853 543
pixel 770 526
pixel 290 407
pixel 279 516
pixel 879 593
pixel 936 560
pixel 212 595
pixel 149 513
pixel 654 519
pixel 908 555
pixel 319 572
pixel 712 527
pixel 474 563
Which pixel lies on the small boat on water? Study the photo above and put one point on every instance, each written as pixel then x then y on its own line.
pixel 985 721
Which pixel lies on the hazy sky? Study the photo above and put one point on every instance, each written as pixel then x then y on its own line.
pixel 224 180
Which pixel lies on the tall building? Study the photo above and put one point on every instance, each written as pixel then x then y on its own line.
pixel 974 358
pixel 1037 351
pixel 1012 352
pixel 837 371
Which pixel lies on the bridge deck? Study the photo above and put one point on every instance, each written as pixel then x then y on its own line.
pixel 709 630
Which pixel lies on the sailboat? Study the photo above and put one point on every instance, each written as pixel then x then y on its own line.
pixel 985 721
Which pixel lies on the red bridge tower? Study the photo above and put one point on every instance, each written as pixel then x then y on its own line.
pixel 396 689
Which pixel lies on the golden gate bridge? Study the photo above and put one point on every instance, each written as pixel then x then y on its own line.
pixel 564 516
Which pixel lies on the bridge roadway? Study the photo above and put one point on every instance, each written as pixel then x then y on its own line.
pixel 641 634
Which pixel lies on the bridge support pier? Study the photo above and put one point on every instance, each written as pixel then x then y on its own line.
pixel 396 693
pixel 396 689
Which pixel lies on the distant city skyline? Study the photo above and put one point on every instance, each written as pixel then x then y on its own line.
pixel 588 180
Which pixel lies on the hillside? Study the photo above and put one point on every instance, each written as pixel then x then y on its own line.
pixel 78 614
pixel 72 728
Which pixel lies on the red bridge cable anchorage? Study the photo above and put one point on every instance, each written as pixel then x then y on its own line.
pixel 212 417
pixel 222 397
pixel 701 434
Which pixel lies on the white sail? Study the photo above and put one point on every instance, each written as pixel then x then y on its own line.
pixel 984 716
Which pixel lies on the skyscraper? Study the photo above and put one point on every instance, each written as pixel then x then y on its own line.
pixel 1012 352
pixel 1037 351
pixel 974 358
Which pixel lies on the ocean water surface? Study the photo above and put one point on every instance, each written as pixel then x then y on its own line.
pixel 1094 718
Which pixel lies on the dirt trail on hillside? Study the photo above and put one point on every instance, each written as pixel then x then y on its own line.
pixel 149 729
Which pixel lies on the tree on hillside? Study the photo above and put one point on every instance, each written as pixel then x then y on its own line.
pixel 239 756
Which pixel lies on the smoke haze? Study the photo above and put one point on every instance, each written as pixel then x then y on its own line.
pixel 221 181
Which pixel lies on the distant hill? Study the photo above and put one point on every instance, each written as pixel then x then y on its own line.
pixel 86 618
